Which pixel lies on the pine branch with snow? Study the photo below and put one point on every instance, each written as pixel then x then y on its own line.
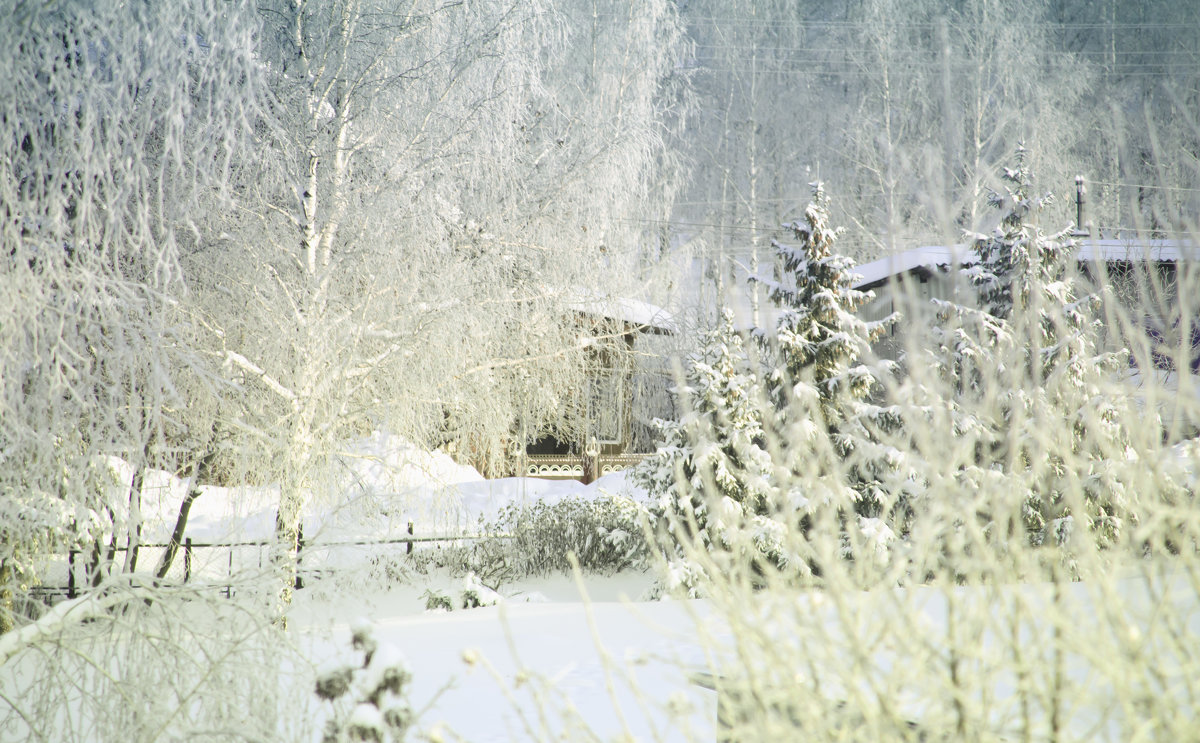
pixel 818 337
pixel 821 347
pixel 712 476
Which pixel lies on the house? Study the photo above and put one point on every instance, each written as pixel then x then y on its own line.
pixel 907 282
pixel 623 392
pixel 1144 276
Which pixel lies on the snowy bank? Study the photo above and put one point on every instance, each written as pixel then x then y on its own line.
pixel 383 483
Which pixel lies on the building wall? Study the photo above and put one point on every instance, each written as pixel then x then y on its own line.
pixel 911 296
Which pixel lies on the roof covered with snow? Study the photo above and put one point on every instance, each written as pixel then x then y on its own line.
pixel 940 257
pixel 643 315
pixel 928 257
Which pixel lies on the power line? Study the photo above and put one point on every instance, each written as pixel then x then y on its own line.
pixel 777 229
pixel 803 199
pixel 816 73
pixel 1146 187
pixel 775 23
pixel 1189 53
pixel 770 200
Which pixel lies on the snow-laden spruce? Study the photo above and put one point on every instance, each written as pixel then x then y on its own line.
pixel 822 355
pixel 803 387
pixel 821 381
pixel 711 476
pixel 1038 335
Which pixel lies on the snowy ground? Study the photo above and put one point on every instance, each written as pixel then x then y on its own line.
pixel 384 484
pixel 520 671
pixel 554 657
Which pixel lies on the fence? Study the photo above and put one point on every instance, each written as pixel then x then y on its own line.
pixel 191 548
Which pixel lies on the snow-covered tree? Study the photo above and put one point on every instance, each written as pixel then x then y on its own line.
pixel 1028 356
pixel 818 337
pixel 948 402
pixel 1029 278
pixel 434 183
pixel 116 124
pixel 711 476
pixel 821 382
pixel 717 472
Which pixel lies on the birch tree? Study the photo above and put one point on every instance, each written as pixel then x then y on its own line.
pixel 944 93
pixel 116 122
pixel 743 143
pixel 432 188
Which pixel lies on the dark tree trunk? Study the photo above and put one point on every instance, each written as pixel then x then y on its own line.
pixel 202 469
pixel 135 515
pixel 7 605
pixel 100 565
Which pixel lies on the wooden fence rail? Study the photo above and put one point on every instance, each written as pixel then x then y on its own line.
pixel 190 547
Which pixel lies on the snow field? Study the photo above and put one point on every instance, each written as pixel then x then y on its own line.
pixel 546 670
pixel 558 658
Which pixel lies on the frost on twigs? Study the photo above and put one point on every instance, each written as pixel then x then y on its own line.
pixel 410 206
pixel 368 690
pixel 182 662
pixel 97 184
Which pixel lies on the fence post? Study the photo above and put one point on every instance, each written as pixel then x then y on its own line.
pixel 71 574
pixel 187 560
pixel 408 549
pixel 299 548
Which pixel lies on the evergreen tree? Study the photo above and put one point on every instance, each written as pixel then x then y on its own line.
pixel 1038 345
pixel 951 402
pixel 715 476
pixel 818 337
pixel 820 376
pixel 712 475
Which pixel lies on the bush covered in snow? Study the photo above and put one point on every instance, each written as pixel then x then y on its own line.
pixel 605 534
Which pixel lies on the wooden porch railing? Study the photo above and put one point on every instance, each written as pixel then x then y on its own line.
pixel 575 467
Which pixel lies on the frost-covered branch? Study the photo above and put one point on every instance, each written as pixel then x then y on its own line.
pixel 242 362
pixel 74 612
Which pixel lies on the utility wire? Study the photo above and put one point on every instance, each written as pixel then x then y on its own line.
pixel 1146 187
pixel 775 23
pixel 1106 54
